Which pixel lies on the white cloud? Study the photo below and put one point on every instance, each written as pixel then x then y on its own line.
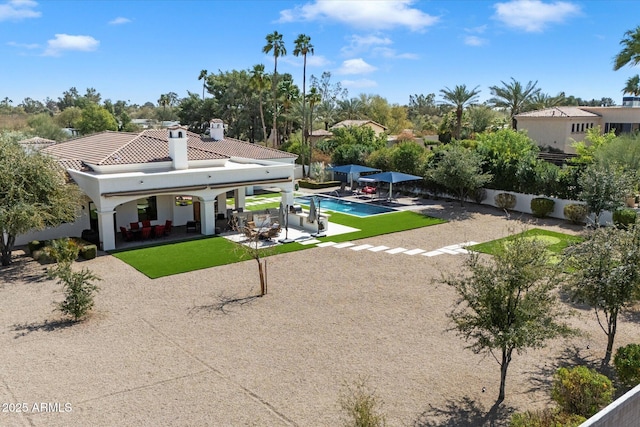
pixel 298 61
pixel 24 45
pixel 358 44
pixel 477 30
pixel 534 15
pixel 386 52
pixel 119 21
pixel 382 14
pixel 356 66
pixel 64 42
pixel 15 10
pixel 474 41
pixel 358 84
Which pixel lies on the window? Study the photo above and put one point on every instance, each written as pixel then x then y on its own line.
pixel 582 128
pixel 147 209
pixel 573 127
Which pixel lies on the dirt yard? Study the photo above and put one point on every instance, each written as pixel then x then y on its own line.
pixel 170 352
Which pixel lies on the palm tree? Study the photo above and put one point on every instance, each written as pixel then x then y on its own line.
pixel 259 83
pixel 513 97
pixel 633 86
pixel 350 109
pixel 289 93
pixel 327 112
pixel 459 98
pixel 303 46
pixel 275 44
pixel 314 99
pixel 630 52
pixel 541 100
pixel 164 101
pixel 203 77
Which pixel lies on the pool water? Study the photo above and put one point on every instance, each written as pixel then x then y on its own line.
pixel 344 206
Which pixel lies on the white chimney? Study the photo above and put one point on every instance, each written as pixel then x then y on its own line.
pixel 178 147
pixel 216 129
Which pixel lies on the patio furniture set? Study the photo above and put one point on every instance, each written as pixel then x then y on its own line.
pixel 144 230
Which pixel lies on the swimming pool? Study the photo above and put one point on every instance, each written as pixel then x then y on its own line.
pixel 345 206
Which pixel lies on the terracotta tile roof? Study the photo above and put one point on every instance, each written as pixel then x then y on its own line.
pixel 236 148
pixel 346 123
pixel 559 112
pixel 148 146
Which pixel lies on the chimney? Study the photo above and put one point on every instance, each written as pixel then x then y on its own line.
pixel 216 129
pixel 178 147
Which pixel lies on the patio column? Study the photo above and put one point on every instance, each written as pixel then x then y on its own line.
pixel 240 199
pixel 105 226
pixel 287 197
pixel 208 219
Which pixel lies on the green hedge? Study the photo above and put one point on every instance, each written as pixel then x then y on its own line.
pixel 624 217
pixel 318 185
pixel 542 207
pixel 576 213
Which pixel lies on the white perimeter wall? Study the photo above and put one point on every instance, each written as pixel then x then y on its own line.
pixel 73 229
pixel 623 412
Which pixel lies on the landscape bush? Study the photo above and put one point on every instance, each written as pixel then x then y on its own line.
pixel 545 418
pixel 541 207
pixel 581 390
pixel 576 213
pixel 622 218
pixel 505 200
pixel 78 288
pixel 360 406
pixel 627 364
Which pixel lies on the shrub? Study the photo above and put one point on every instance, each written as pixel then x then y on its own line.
pixel 479 195
pixel 34 245
pixel 623 218
pixel 505 200
pixel 361 406
pixel 542 207
pixel 627 364
pixel 79 289
pixel 575 213
pixel 88 251
pixel 581 390
pixel 545 418
pixel 63 250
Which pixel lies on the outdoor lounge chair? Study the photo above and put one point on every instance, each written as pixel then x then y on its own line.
pixel 271 232
pixel 126 234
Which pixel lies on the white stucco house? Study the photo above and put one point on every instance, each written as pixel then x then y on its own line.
pixel 559 127
pixel 158 175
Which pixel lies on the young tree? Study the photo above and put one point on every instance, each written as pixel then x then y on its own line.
pixel 275 44
pixel 459 98
pixel 459 170
pixel 507 304
pixel 513 97
pixel 33 194
pixel 603 189
pixel 605 275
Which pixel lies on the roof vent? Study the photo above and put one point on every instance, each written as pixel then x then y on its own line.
pixel 178 147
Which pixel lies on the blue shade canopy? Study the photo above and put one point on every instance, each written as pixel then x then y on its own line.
pixel 349 169
pixel 393 177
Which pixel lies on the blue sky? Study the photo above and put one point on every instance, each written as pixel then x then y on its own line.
pixel 137 50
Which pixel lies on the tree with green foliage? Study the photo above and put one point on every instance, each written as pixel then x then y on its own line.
pixel 581 391
pixel 352 144
pixel 276 45
pixel 604 274
pixel 42 125
pixel 260 83
pixel 593 141
pixel 34 194
pixel 632 86
pixel 459 97
pixel 96 119
pixel 630 53
pixel 69 117
pixel 303 47
pixel 459 170
pixel 604 188
pixel 510 157
pixel 203 76
pixel 409 157
pixel 513 97
pixel 627 364
pixel 621 152
pixel 508 304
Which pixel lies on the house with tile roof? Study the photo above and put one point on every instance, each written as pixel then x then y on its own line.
pixel 560 127
pixel 377 127
pixel 127 177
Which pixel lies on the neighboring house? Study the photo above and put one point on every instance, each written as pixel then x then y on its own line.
pixel 128 177
pixel 377 127
pixel 559 127
pixel 35 143
pixel 319 135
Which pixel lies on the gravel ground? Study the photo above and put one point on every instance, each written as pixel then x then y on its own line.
pixel 196 349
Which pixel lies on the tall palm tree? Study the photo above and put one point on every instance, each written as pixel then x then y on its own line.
pixel 314 99
pixel 327 112
pixel 513 97
pixel 541 100
pixel 630 52
pixel 459 98
pixel 289 94
pixel 303 46
pixel 259 83
pixel 164 101
pixel 633 86
pixel 275 44
pixel 350 109
pixel 203 77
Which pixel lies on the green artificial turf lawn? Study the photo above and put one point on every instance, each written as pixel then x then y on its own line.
pixel 180 257
pixel 555 242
